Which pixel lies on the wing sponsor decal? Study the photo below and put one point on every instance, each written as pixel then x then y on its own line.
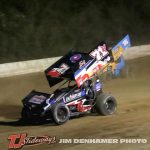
pixel 75 58
pixel 88 71
pixel 56 72
pixel 92 67
pixel 37 99
pixel 100 52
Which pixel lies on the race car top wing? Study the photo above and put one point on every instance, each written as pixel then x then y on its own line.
pixel 65 67
pixel 100 58
pixel 80 66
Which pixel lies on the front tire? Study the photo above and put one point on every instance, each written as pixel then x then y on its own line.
pixel 106 104
pixel 61 113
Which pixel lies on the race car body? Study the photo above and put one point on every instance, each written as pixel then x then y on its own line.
pixel 85 95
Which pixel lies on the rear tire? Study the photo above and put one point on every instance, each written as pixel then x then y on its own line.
pixel 61 113
pixel 106 104
pixel 25 115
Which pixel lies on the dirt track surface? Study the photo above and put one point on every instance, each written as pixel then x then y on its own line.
pixel 132 119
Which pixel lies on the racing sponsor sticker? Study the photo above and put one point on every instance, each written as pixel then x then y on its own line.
pixel 72 96
pixel 84 73
pixel 37 99
pixel 81 63
pixel 100 52
pixel 117 52
pixel 56 72
pixel 75 58
pixel 17 141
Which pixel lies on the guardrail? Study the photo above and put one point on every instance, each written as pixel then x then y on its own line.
pixel 25 67
pixel 32 66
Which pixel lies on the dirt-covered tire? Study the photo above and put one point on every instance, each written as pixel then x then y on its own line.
pixel 25 114
pixel 106 104
pixel 61 113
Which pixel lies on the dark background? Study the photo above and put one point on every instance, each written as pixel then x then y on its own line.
pixel 33 29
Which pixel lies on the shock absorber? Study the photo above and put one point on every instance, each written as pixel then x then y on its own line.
pixel 89 90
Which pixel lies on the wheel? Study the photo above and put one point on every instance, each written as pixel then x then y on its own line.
pixel 106 104
pixel 61 113
pixel 25 114
pixel 27 117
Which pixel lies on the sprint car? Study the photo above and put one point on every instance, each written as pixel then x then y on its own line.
pixel 81 91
